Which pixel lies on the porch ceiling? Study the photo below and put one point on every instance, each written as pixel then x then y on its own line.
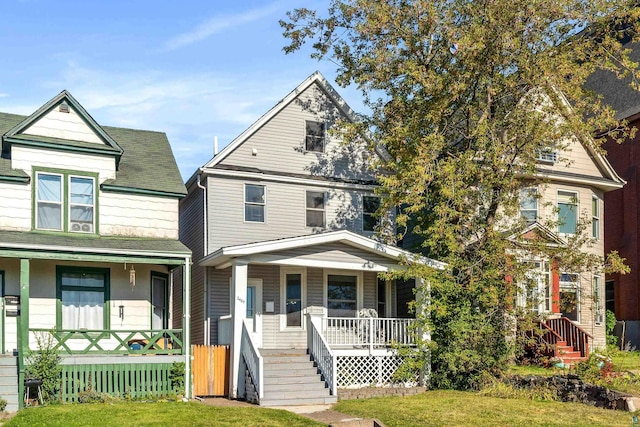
pixel 17 244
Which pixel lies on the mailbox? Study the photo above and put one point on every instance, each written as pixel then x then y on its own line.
pixel 11 305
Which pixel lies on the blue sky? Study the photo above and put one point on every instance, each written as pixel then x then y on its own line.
pixel 192 69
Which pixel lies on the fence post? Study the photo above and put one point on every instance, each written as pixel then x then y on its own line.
pixel 370 335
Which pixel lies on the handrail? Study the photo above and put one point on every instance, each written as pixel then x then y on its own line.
pixel 368 331
pixel 323 356
pixel 253 359
pixel 109 341
pixel 571 333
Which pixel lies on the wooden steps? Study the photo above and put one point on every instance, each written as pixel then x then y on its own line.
pixel 291 378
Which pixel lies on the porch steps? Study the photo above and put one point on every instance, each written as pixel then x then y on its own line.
pixel 9 381
pixel 567 353
pixel 291 378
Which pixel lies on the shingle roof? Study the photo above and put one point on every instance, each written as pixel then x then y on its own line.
pixel 96 244
pixel 147 163
pixel 616 92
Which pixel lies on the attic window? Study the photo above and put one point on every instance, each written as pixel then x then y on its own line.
pixel 64 107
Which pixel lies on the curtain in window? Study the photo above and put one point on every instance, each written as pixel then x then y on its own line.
pixel 81 194
pixel 49 202
pixel 82 310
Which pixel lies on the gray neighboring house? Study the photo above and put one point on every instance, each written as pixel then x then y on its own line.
pixel 88 242
pixel 286 261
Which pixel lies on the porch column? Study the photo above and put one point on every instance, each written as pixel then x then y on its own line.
pixel 422 311
pixel 186 324
pixel 23 326
pixel 239 277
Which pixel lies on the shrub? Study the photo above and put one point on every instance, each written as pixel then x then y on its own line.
pixel 610 324
pixel 176 376
pixel 3 405
pixel 44 364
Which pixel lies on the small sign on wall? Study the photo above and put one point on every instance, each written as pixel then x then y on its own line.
pixel 269 307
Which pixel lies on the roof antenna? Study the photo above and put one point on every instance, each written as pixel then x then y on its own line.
pixel 215 145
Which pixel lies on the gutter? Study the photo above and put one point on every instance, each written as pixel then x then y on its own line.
pixel 205 251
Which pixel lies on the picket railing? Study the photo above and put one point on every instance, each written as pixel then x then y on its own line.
pixel 254 360
pixel 368 331
pixel 322 355
pixel 571 333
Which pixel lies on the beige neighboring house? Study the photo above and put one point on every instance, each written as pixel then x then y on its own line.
pixel 576 180
pixel 281 227
pixel 88 242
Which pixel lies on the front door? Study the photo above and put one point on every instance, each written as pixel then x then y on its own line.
pixel 159 301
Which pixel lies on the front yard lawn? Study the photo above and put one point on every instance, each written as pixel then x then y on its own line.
pixel 137 414
pixel 455 408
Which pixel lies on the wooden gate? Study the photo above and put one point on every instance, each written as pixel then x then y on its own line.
pixel 210 367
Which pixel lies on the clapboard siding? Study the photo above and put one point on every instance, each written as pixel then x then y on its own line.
pixel 285 212
pixel 56 124
pixel 283 137
pixel 138 215
pixel 192 235
pixel 26 158
pixel 580 161
pixel 218 298
pixel 15 205
pixel 315 287
pixel 370 288
pixel 335 252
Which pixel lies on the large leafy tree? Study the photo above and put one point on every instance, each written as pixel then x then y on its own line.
pixel 465 95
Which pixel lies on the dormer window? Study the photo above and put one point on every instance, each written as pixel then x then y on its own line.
pixel 65 202
pixel 314 140
pixel 547 155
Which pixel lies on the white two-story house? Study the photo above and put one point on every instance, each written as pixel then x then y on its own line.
pixel 282 228
pixel 88 241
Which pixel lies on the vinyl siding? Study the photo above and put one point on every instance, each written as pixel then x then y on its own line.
pixel 279 144
pixel 138 215
pixel 285 212
pixel 336 252
pixel 15 206
pixel 192 236
pixel 580 161
pixel 218 298
pixel 56 124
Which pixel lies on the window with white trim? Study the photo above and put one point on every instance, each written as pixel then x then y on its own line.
pixel 595 217
pixel 567 212
pixel 315 208
pixel 370 205
pixel 65 202
pixel 529 203
pixel 314 136
pixel 254 202
pixel 83 294
pixel 570 296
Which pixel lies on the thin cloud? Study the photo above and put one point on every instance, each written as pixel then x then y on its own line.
pixel 218 24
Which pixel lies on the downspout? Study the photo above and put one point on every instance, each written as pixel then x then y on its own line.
pixel 205 252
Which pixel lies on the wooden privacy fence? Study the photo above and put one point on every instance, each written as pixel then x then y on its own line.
pixel 210 368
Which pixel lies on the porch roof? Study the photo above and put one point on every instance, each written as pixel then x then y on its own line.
pixel 16 244
pixel 267 252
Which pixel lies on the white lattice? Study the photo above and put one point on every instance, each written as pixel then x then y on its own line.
pixel 368 371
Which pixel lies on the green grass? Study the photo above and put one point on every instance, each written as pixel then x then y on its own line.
pixel 626 360
pixel 137 414
pixel 455 408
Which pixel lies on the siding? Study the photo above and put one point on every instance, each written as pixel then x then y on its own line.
pixel 192 235
pixel 335 252
pixel 15 205
pixel 25 158
pixel 581 162
pixel 283 137
pixel 69 125
pixel 138 215
pixel 370 288
pixel 218 299
pixel 285 212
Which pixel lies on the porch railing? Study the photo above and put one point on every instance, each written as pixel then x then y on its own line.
pixel 572 334
pixel 254 360
pixel 369 332
pixel 162 341
pixel 322 355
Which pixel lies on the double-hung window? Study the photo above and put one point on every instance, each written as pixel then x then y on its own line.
pixel 570 296
pixel 595 217
pixel 315 208
pixel 529 204
pixel 597 301
pixel 65 202
pixel 567 212
pixel 83 296
pixel 254 203
pixel 370 205
pixel 342 294
pixel 314 138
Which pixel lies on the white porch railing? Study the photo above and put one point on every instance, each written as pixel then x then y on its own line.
pixel 369 332
pixel 322 355
pixel 253 359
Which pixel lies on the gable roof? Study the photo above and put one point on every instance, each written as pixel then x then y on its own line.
pixel 224 255
pixel 146 166
pixel 63 97
pixel 536 230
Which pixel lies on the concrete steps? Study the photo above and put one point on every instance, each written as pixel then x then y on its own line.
pixel 9 381
pixel 290 378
